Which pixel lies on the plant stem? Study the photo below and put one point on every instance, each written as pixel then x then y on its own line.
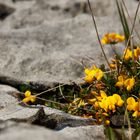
pixel 96 29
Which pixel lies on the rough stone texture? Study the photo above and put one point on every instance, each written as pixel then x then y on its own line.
pixel 40 115
pixel 34 12
pixel 84 133
pixel 9 107
pixel 51 52
pixel 20 131
pixel 48 41
pixel 46 117
pixel 9 131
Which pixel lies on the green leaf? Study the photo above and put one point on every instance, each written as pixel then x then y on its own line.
pixel 123 20
pixel 109 133
pixel 135 134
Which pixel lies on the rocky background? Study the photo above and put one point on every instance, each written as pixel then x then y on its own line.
pixel 45 42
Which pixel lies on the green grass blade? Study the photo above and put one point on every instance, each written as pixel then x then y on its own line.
pixel 123 20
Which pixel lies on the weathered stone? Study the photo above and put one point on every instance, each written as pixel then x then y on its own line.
pixel 52 52
pixel 39 115
pixel 84 133
pixel 9 107
pixel 20 131
pixel 44 42
pixel 5 11
pixel 54 48
pixel 35 12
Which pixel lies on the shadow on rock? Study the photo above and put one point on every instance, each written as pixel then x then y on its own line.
pixel 5 11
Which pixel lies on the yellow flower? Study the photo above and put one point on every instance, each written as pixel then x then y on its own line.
pixel 96 105
pixel 90 73
pixel 29 97
pixel 119 102
pixel 107 122
pixel 103 94
pixel 93 73
pixel 112 66
pixel 132 105
pixel 127 54
pixel 110 102
pixel 129 83
pixel 120 82
pixel 103 104
pixel 112 38
pixel 136 114
pixel 136 53
pixel 99 74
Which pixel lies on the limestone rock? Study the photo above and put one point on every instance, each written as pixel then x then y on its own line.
pixel 9 107
pixel 53 52
pixel 19 131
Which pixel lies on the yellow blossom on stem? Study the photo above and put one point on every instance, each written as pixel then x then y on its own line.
pixel 120 82
pixel 129 83
pixel 92 74
pixel 110 102
pixel 136 53
pixel 112 38
pixel 127 54
pixel 99 74
pixel 103 94
pixel 112 66
pixel 89 78
pixel 119 102
pixel 107 122
pixel 29 97
pixel 132 105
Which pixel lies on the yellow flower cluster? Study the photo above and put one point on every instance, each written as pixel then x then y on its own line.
pixel 134 106
pixel 109 103
pixel 92 74
pixel 29 97
pixel 128 54
pixel 112 38
pixel 127 83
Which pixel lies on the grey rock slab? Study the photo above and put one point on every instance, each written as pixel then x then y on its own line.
pixel 35 12
pixel 5 97
pixel 9 107
pixel 84 133
pixel 54 51
pixel 21 131
pixel 44 117
pixel 10 131
pixel 32 13
pixel 63 119
pixel 35 114
pixel 5 11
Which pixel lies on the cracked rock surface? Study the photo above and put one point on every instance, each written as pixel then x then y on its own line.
pixel 30 120
pixel 48 41
pixel 43 43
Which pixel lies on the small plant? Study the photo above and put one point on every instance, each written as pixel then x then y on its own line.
pixel 107 92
